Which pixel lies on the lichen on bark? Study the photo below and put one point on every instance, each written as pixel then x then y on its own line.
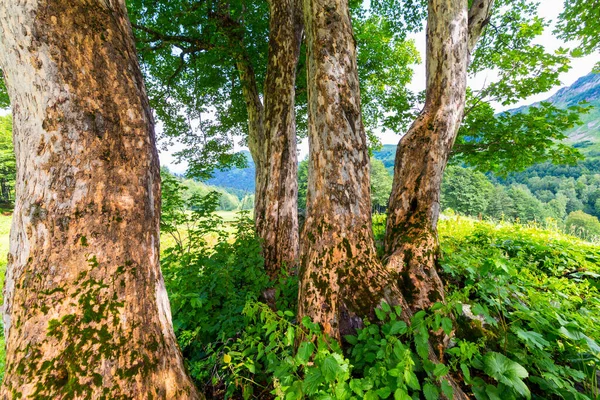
pixel 86 313
pixel 411 242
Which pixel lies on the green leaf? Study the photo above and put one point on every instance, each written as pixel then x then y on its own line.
pixel 380 314
pixel 371 395
pixel 422 343
pixel 467 374
pixel 440 370
pixel 305 351
pixel 411 379
pixel 431 392
pixel 384 392
pixel 532 338
pixel 386 307
pixel 506 371
pixel 356 386
pixel 330 368
pixel 447 389
pixel 251 367
pixel 447 325
pixel 398 328
pixel 351 339
pixel 312 380
pixel 400 394
pixel 342 391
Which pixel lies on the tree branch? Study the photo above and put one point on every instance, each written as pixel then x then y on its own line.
pixel 479 16
pixel 196 44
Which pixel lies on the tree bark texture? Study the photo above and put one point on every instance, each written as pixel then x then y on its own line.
pixel 272 137
pixel 257 140
pixel 341 279
pixel 86 313
pixel 279 230
pixel 411 241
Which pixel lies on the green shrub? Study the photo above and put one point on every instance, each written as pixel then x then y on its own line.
pixel 539 313
pixel 523 311
pixel 583 225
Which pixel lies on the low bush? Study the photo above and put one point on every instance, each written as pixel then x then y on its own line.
pixel 523 311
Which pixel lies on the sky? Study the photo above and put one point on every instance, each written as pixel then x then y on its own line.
pixel 550 9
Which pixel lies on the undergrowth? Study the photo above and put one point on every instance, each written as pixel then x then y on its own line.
pixel 523 310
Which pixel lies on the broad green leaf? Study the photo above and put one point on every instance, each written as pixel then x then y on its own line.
pixel 431 392
pixel 330 368
pixel 305 351
pixel 400 394
pixel 506 371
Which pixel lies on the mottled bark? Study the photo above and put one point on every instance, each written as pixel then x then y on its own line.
pixel 411 241
pixel 272 137
pixel 257 139
pixel 341 279
pixel 86 313
pixel 279 230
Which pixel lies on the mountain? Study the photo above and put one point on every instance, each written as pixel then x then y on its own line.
pixel 387 155
pixel 585 137
pixel 241 179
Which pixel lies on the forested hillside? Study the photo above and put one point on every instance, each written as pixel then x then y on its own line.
pixel 542 191
pixel 236 178
pixel 586 136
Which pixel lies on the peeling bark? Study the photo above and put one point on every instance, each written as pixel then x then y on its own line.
pixel 411 241
pixel 86 313
pixel 341 279
pixel 279 229
pixel 272 138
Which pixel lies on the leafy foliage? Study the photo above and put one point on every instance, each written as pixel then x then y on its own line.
pixel 465 191
pixel 523 309
pixel 579 21
pixel 8 168
pixel 532 298
pixel 583 225
pixel 209 278
pixel 496 143
pixel 192 54
pixel 381 184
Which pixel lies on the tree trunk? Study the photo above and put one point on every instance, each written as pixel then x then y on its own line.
pixel 280 226
pixel 257 140
pixel 86 313
pixel 341 279
pixel 272 138
pixel 411 241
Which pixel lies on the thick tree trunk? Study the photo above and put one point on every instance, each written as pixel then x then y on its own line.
pixel 257 139
pixel 279 230
pixel 411 241
pixel 272 138
pixel 341 279
pixel 86 313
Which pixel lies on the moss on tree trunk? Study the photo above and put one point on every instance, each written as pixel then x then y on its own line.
pixel 86 312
